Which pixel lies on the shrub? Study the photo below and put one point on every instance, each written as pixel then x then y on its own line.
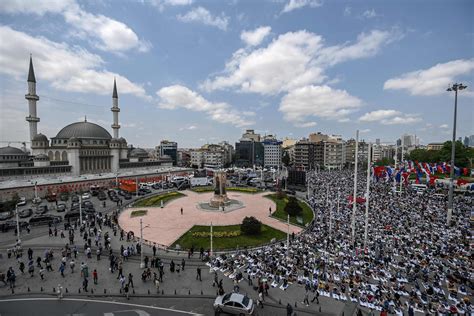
pixel 280 195
pixel 251 226
pixel 292 207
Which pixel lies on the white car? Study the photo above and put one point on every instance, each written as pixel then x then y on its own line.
pixel 36 200
pixel 22 201
pixel 234 304
pixel 86 196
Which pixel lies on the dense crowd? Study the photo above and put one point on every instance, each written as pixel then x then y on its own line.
pixel 412 261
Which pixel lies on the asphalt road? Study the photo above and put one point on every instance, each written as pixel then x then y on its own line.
pixel 51 306
pixel 83 306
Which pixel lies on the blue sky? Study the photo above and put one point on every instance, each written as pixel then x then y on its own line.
pixel 200 72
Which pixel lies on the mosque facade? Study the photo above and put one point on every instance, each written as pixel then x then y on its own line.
pixel 78 148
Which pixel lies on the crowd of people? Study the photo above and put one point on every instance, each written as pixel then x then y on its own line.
pixel 412 261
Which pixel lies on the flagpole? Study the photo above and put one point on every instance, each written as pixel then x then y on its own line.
pixel 401 164
pixel 367 199
pixel 396 160
pixel 210 255
pixel 288 238
pixel 354 197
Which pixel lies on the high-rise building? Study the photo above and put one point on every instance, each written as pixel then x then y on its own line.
pixel 213 156
pixel 170 149
pixel 318 137
pixel 308 155
pixel 272 152
pixel 248 153
pixel 409 140
pixel 349 149
pixel 334 154
pixel 471 141
pixel 251 135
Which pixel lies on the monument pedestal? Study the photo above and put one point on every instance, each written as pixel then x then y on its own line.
pixel 220 196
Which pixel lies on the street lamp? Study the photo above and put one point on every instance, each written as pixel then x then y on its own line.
pixel 142 263
pixel 17 225
pixel 455 87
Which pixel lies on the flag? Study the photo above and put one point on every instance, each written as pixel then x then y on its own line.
pixel 359 200
pixel 461 182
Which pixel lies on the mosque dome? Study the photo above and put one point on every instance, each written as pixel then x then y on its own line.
pixel 84 130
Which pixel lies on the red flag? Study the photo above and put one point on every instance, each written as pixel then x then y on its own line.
pixel 359 200
pixel 461 182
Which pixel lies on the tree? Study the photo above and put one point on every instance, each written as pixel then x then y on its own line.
pixel 463 155
pixel 286 159
pixel 292 207
pixel 251 226
pixel 384 162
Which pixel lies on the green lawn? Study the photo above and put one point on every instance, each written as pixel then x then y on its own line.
pixel 226 243
pixel 233 189
pixel 156 200
pixel 138 213
pixel 281 214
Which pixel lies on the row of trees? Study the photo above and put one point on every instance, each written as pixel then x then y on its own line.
pixel 463 158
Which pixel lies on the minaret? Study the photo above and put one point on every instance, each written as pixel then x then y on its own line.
pixel 32 98
pixel 115 110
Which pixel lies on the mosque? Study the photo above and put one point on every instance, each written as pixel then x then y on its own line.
pixel 78 148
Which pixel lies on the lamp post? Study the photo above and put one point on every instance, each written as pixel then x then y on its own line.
pixel 17 225
pixel 80 209
pixel 354 196
pixel 455 87
pixel 142 263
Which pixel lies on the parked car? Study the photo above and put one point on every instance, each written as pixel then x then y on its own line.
pixel 127 196
pixel 41 209
pixel 44 219
pixel 86 196
pixel 36 200
pixel 75 198
pixel 6 215
pixel 61 207
pixel 22 201
pixel 11 224
pixel 102 196
pixel 72 215
pixel 24 213
pixel 64 196
pixel 234 304
pixel 51 197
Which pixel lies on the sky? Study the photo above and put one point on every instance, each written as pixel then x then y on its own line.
pixel 200 72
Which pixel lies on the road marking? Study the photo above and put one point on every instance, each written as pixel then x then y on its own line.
pixel 98 301
pixel 138 311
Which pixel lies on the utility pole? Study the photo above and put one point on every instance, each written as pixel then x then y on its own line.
pixel 136 186
pixel 367 200
pixel 288 238
pixel 80 208
pixel 354 196
pixel 455 87
pixel 142 264
pixel 17 225
pixel 402 164
pixel 212 251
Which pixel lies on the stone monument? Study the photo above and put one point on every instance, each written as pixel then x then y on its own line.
pixel 220 198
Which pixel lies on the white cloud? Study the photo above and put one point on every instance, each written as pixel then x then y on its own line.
pixel 431 81
pixel 162 4
pixel 390 117
pixel 292 60
pixel 347 11
pixel 366 130
pixel 255 37
pixel 176 96
pixel 202 15
pixel 317 101
pixel 67 68
pixel 298 4
pixel 444 126
pixel 34 6
pixel 104 33
pixel 369 14
pixel 307 124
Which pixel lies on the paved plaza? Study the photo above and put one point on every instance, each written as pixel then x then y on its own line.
pixel 165 225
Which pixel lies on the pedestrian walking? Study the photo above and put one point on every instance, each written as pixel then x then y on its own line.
pixel 126 291
pixel 95 276
pixel 130 280
pixel 198 274
pixel 72 264
pixel 61 269
pixel 154 251
pixel 85 283
pixel 289 309
pixel 157 285
pixel 41 273
pixel 260 299
pixel 183 263
pixel 306 300
pixel 316 297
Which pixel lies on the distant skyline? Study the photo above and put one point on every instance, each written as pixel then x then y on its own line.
pixel 199 72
